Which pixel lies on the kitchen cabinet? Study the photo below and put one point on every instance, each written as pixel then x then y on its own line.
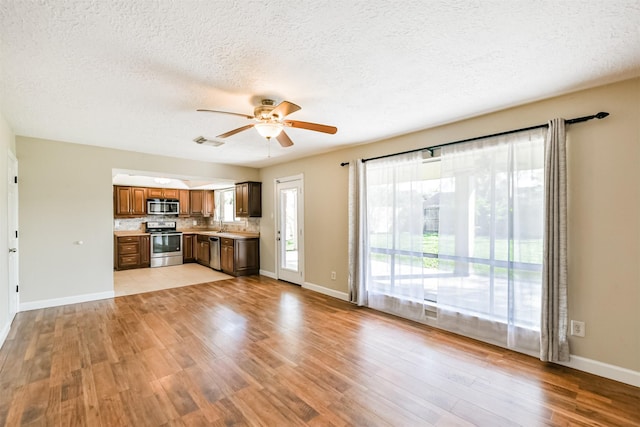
pixel 201 202
pixel 162 193
pixel 240 257
pixel 187 248
pixel 202 250
pixel 183 197
pixel 195 202
pixel 131 252
pixel 208 203
pixel 129 201
pixel 226 255
pixel 248 199
pixel 145 251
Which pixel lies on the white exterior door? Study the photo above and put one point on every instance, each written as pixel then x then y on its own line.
pixel 289 229
pixel 12 234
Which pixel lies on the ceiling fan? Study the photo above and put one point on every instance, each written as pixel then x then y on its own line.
pixel 270 121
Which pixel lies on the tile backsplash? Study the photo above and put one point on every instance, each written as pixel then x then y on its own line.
pixel 135 224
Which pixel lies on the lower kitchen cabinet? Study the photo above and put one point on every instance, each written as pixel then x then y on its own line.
pixel 187 248
pixel 240 257
pixel 202 250
pixel 131 252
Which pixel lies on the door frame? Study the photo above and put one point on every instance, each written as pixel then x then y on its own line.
pixel 301 233
pixel 12 203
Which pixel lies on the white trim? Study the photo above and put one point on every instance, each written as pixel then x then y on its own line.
pixel 55 302
pixel 269 274
pixel 299 176
pixel 5 331
pixel 326 291
pixel 602 369
pixel 301 230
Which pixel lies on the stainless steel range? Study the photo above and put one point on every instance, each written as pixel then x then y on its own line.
pixel 166 243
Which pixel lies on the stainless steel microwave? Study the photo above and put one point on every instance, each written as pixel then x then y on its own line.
pixel 163 206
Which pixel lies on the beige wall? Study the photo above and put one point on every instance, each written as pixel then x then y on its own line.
pixel 604 210
pixel 7 143
pixel 66 197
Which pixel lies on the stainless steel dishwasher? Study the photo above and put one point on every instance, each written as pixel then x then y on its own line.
pixel 214 252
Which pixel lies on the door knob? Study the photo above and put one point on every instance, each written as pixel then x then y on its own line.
pixel 11 250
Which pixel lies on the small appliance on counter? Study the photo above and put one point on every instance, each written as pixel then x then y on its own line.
pixel 166 243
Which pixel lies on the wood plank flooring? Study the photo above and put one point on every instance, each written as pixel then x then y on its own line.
pixel 258 352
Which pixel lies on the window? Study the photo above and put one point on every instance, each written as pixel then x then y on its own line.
pixel 463 232
pixel 226 210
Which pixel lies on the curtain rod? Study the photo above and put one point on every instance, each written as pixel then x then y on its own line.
pixel 600 115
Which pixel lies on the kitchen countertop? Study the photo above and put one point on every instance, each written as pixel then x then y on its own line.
pixel 126 233
pixel 227 234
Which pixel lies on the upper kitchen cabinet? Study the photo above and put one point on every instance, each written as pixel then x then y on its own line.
pixel 185 203
pixel 249 199
pixel 201 202
pixel 162 193
pixel 129 201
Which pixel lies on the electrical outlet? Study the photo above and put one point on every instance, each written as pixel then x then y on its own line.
pixel 333 275
pixel 577 328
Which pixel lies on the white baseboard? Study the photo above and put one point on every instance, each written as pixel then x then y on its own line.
pixel 55 302
pixel 605 370
pixel 312 287
pixel 269 274
pixel 326 291
pixel 4 333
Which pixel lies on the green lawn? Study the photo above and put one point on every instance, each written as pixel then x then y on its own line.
pixel 528 251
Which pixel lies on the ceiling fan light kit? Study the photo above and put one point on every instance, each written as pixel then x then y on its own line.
pixel 271 123
pixel 269 129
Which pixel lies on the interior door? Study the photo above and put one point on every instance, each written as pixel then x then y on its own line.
pixel 12 233
pixel 289 229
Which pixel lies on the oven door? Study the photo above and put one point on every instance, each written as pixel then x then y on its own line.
pixel 166 245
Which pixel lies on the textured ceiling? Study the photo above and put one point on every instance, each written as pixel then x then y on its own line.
pixel 130 74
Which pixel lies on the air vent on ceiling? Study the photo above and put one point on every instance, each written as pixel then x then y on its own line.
pixel 203 140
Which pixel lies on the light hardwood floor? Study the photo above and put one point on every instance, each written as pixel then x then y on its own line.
pixel 255 351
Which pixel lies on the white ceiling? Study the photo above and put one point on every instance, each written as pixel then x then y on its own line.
pixel 130 74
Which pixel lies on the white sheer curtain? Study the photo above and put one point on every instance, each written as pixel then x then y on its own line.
pixel 490 239
pixel 394 227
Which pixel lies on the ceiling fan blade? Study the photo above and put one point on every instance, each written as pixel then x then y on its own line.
pixel 227 112
pixel 284 109
pixel 284 139
pixel 311 126
pixel 233 132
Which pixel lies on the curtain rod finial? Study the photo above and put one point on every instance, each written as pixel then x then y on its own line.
pixel 601 115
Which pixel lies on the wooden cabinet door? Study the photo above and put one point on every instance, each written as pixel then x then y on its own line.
pixel 247 256
pixel 226 258
pixel 145 251
pixel 183 196
pixel 196 202
pixel 253 205
pixel 249 199
pixel 203 253
pixel 242 197
pixel 170 193
pixel 155 193
pixel 207 209
pixel 138 201
pixel 122 202
pixel 187 247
